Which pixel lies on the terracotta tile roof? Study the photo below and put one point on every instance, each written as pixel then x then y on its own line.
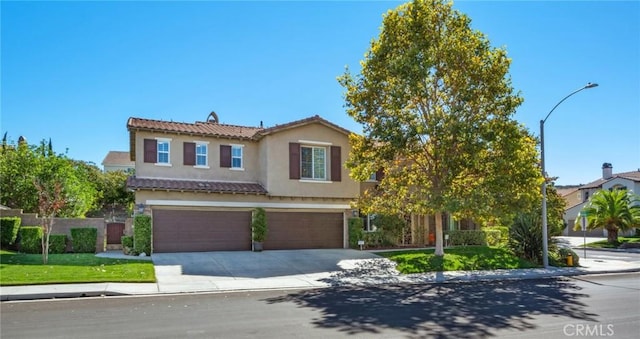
pixel 117 158
pixel 194 185
pixel 197 128
pixel 297 123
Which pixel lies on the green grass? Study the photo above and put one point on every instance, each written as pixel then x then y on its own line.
pixel 606 244
pixel 456 259
pixel 27 269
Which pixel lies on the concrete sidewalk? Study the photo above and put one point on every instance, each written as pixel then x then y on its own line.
pixel 359 272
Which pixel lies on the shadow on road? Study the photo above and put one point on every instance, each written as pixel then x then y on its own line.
pixel 453 310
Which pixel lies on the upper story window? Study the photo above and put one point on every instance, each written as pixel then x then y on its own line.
pixel 236 156
pixel 163 152
pixel 157 151
pixel 201 154
pixel 231 156
pixel 313 161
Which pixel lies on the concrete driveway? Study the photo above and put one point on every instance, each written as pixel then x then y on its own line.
pixel 244 270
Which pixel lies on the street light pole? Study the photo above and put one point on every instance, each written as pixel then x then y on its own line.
pixel 545 245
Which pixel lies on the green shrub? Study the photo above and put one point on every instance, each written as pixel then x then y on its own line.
pixel 466 238
pixel 142 234
pixel 390 226
pixel 497 235
pixel 356 232
pixel 127 241
pixel 525 238
pixel 259 225
pixel 558 256
pixel 31 239
pixel 9 227
pixel 57 243
pixel 84 239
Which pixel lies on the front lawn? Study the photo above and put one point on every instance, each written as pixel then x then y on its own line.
pixel 606 244
pixel 27 269
pixel 456 259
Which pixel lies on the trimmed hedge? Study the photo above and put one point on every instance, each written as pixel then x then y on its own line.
pixel 57 243
pixel 466 238
pixel 356 232
pixel 9 227
pixel 31 239
pixel 84 239
pixel 142 234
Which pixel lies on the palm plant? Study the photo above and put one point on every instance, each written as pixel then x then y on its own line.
pixel 615 210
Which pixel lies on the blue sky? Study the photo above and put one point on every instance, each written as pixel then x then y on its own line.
pixel 76 71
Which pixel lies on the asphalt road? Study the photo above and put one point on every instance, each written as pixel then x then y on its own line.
pixel 597 305
pixel 610 255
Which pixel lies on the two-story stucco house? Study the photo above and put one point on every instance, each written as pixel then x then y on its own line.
pixel 200 182
pixel 609 181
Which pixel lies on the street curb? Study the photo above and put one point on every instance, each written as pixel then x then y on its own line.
pixel 107 293
pixel 618 250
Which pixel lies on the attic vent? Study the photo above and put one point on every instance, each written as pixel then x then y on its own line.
pixel 213 117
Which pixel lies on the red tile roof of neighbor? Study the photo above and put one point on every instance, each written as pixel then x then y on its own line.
pixel 194 185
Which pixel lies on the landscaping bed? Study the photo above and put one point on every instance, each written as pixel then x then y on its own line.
pixel 456 259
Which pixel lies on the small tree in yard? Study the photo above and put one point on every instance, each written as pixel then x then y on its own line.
pixel 51 200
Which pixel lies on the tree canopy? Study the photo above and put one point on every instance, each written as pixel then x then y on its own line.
pixel 84 187
pixel 436 104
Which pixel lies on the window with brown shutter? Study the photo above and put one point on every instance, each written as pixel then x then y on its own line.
pixel 225 156
pixel 294 160
pixel 380 174
pixel 150 150
pixel 336 164
pixel 189 156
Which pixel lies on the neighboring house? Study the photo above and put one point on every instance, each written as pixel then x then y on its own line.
pixel 200 182
pixel 118 161
pixel 609 181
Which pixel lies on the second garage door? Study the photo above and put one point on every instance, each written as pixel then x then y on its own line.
pixel 300 230
pixel 201 231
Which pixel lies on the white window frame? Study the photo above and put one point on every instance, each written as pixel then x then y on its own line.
pixel 158 151
pixel 241 148
pixel 204 144
pixel 313 167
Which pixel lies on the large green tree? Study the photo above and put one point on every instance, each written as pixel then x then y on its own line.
pixel 436 103
pixel 615 210
pixel 23 167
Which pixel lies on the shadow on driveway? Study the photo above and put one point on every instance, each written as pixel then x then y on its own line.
pixel 245 264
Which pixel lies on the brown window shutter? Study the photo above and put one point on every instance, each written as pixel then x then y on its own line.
pixel 294 160
pixel 379 175
pixel 336 164
pixel 189 156
pixel 150 150
pixel 225 156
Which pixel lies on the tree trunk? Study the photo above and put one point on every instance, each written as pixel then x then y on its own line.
pixel 439 237
pixel 612 234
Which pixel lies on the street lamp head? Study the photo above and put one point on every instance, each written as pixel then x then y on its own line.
pixel 590 85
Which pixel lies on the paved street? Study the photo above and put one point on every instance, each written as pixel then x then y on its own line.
pixel 553 308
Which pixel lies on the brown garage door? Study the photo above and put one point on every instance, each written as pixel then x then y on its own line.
pixel 297 230
pixel 201 231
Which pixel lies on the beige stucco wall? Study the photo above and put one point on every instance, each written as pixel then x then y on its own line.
pixel 277 161
pixel 265 161
pixel 249 201
pixel 214 172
